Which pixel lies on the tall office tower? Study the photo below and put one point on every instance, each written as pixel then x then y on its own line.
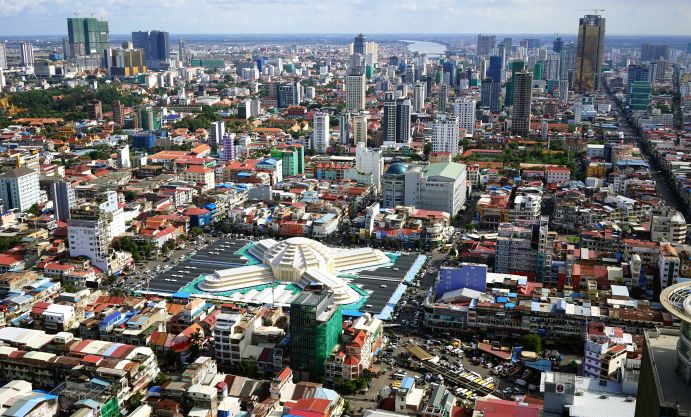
pixel 359 45
pixel 557 45
pixel 551 66
pixel 216 132
pixel 118 113
pixel 315 329
pixel 638 95
pixel 464 109
pixel 496 67
pixel 155 45
pixel 638 72
pixel 397 121
pixel 443 97
pixel 370 161
pixel 343 128
pixel 516 66
pixel 228 147
pixel 508 46
pixel 126 62
pixel 356 88
pixel 522 98
pixel 419 98
pixel 590 53
pixel 63 197
pixel 26 54
pixel 567 63
pixel 485 44
pixel 320 135
pixel 182 52
pixel 360 121
pixel 489 94
pixel 445 134
pixel 449 67
pixel 651 52
pixel 87 36
pixel 287 95
pixel 3 56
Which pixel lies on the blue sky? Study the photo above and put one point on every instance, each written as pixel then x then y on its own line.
pixel 47 17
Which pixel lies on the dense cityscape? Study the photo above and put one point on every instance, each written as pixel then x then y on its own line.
pixel 371 225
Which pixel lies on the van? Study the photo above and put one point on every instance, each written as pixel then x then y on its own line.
pixel 398 376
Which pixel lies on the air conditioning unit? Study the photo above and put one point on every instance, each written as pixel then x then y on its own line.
pixel 630 399
pixel 603 397
pixel 578 393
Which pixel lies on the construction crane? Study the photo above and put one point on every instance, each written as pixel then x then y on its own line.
pixel 591 10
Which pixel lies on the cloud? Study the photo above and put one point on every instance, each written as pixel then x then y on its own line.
pixel 24 17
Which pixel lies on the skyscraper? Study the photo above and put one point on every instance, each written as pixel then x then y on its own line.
pixel 445 134
pixel 557 45
pixel 359 44
pixel 155 45
pixel 216 132
pixel 485 44
pixel 464 109
pixel 118 113
pixel 396 121
pixel 3 56
pixel 87 36
pixel 320 135
pixel 567 63
pixel 516 66
pixel 590 53
pixel 419 97
pixel 651 52
pixel 496 66
pixel 489 94
pixel 182 52
pixel 26 54
pixel 360 128
pixel 343 128
pixel 443 97
pixel 356 87
pixel 522 98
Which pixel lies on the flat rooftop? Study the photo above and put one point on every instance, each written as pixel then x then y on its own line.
pixel 674 390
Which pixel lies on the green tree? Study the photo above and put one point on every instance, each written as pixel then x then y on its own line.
pixel 532 341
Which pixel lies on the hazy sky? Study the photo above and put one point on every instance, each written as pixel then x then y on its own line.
pixel 26 17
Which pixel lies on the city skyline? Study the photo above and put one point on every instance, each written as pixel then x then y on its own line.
pixel 44 17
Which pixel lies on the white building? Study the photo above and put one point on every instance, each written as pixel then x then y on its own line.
pixel 360 121
pixel 19 188
pixel 557 175
pixel 198 174
pixel 445 135
pixel 216 132
pixel 525 208
pixel 419 97
pixel 440 186
pixel 464 109
pixel 320 135
pixel 370 161
pixel 667 225
pixel 356 88
pixel 124 157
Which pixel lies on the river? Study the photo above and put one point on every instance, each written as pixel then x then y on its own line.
pixel 428 48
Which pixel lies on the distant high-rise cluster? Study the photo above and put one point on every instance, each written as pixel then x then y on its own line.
pixel 86 37
pixel 155 45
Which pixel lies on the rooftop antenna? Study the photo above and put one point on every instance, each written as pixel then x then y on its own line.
pixel 593 10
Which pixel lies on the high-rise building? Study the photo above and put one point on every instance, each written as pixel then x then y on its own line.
pixel 557 45
pixel 19 188
pixel 315 329
pixel 320 135
pixel 155 45
pixel 486 44
pixel 639 95
pixel 228 147
pixel 419 98
pixel 63 197
pixel 397 127
pixel 356 88
pixel 516 66
pixel 360 121
pixel 445 135
pixel 359 44
pixel 287 95
pixel 216 132
pixel 182 52
pixel 95 109
pixel 464 109
pixel 489 94
pixel 344 128
pixel 650 52
pixel 496 68
pixel 567 63
pixel 443 97
pixel 26 54
pixel 590 53
pixel 118 113
pixel 125 62
pixel 87 36
pixel 522 98
pixel 3 56
pixel 370 161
